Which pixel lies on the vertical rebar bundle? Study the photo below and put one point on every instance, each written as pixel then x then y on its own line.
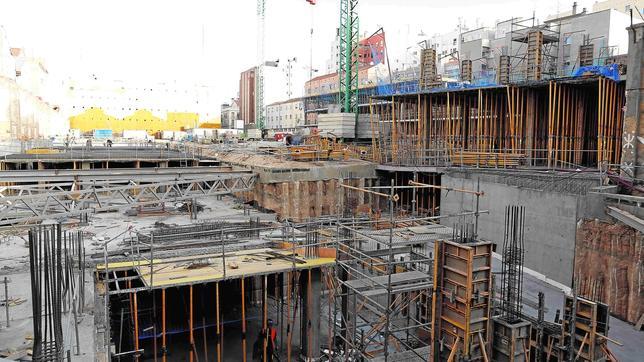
pixel 513 254
pixel 463 232
pixel 53 258
pixel 312 246
pixel 45 261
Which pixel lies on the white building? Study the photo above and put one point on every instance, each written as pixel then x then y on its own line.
pixel 332 62
pixel 447 46
pixel 29 99
pixel 120 99
pixel 620 5
pixel 605 30
pixel 285 116
pixel 229 113
pixel 476 46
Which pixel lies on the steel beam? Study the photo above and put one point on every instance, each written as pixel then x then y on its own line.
pixel 30 203
pixel 108 174
pixel 626 218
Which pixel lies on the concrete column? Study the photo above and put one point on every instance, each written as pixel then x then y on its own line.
pixel 633 134
pixel 310 302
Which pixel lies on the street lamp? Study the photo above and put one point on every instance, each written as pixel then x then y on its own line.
pixel 289 74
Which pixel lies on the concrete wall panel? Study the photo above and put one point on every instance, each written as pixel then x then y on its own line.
pixel 551 219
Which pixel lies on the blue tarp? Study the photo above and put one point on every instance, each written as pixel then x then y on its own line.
pixel 397 88
pixel 608 71
pixel 102 133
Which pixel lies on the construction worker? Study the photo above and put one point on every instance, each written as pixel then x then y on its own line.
pixel 272 333
pixel 258 354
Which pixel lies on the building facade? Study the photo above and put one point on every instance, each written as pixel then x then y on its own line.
pixel 328 83
pixel 371 51
pixel 604 30
pixel 285 116
pixel 476 46
pixel 624 6
pixel 229 113
pixel 120 106
pixel 447 47
pixel 247 96
pixel 564 34
pixel 29 97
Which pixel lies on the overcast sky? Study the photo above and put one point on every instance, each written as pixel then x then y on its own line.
pixel 211 42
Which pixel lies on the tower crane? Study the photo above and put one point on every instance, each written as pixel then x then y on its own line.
pixel 348 57
pixel 259 71
pixel 347 63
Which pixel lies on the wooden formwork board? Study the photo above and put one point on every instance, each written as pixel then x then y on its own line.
pixel 209 267
pixel 591 325
pixel 535 45
pixel 461 306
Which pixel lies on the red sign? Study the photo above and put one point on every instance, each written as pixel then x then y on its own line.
pixel 372 50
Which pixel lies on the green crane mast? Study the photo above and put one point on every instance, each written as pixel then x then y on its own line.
pixel 348 57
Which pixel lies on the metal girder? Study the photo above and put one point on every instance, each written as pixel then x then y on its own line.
pixel 30 203
pixel 626 217
pixel 108 174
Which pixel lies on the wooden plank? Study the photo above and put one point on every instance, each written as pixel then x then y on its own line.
pixel 638 325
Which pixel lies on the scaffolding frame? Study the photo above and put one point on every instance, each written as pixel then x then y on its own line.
pixel 303 239
pixel 536 56
pixel 558 124
pixel 384 284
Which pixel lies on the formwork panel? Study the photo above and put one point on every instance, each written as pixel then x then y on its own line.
pixel 461 309
pixel 511 341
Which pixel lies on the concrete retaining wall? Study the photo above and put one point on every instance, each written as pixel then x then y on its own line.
pixel 302 200
pixel 551 220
